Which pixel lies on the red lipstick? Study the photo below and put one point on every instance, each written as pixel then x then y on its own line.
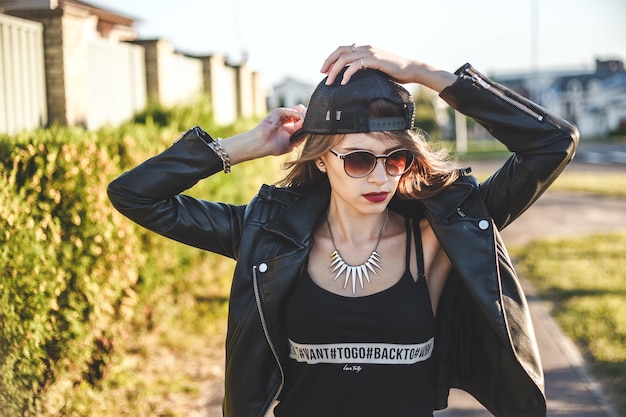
pixel 376 197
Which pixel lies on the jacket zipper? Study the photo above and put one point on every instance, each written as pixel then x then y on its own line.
pixel 489 87
pixel 257 297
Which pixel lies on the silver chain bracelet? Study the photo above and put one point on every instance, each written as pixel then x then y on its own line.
pixel 216 145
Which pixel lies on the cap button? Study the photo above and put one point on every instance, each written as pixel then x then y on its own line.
pixel 483 225
pixel 263 267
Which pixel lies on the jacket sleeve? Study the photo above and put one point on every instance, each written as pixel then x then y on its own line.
pixel 542 143
pixel 150 195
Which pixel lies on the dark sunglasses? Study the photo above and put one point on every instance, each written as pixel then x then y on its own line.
pixel 358 164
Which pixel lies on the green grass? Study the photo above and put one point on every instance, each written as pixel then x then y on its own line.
pixel 485 150
pixel 610 184
pixel 607 184
pixel 583 280
pixel 166 370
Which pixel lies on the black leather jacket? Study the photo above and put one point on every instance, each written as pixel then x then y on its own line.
pixel 485 342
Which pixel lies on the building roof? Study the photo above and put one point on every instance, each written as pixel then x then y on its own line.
pixel 104 14
pixel 604 70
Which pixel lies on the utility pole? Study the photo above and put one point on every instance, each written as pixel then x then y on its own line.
pixel 460 124
pixel 534 48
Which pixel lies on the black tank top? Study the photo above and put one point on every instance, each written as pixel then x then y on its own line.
pixel 360 356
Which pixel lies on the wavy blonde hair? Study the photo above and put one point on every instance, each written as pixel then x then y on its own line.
pixel 429 174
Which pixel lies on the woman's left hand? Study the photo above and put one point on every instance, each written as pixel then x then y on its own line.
pixel 359 57
pixel 400 69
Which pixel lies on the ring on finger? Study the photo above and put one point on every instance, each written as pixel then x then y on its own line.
pixel 362 64
pixel 353 47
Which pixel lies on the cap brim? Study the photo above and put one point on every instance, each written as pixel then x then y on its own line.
pixel 297 135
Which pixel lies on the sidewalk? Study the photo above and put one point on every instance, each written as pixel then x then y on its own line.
pixel 570 390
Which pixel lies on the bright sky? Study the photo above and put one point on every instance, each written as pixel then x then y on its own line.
pixel 292 38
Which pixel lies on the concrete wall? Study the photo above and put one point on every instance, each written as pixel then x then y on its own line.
pixel 116 87
pixel 221 86
pixel 172 78
pixel 91 80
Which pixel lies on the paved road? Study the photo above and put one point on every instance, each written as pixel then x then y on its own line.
pixel 601 153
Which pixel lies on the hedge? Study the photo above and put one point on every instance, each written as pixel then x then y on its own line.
pixel 67 262
pixel 73 269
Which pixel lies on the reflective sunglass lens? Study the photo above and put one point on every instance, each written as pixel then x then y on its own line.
pixel 359 164
pixel 398 162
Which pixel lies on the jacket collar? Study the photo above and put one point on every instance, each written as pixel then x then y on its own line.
pixel 304 208
pixel 297 222
pixel 444 204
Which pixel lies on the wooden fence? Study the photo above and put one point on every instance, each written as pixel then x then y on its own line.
pixel 22 75
pixel 117 82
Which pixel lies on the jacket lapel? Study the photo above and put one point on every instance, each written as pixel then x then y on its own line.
pixel 298 221
pixel 470 243
pixel 295 226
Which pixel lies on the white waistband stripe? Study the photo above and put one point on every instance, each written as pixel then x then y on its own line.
pixel 373 353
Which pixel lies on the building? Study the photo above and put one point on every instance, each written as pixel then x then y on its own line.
pixel 290 92
pixel 594 100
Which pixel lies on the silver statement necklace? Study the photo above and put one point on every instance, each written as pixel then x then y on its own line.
pixel 354 272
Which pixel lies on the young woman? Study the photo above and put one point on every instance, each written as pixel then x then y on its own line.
pixel 373 278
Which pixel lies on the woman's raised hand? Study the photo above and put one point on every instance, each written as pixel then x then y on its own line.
pixel 270 137
pixel 400 69
pixel 366 56
pixel 277 127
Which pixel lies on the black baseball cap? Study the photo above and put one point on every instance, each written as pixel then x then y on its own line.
pixel 338 109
